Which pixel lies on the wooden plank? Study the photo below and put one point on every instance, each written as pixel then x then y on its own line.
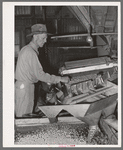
pixel 102 104
pixel 115 20
pixel 84 63
pixel 90 68
pixel 78 14
pixel 85 13
pixel 74 47
pixel 90 96
pixel 85 34
pixel 104 15
pixel 42 121
pixel 69 100
pixel 87 62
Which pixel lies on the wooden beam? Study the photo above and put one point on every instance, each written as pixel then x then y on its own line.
pixel 90 68
pixel 81 99
pixel 84 34
pixel 69 100
pixel 72 47
pixel 87 62
pixel 101 27
pixel 85 13
pixel 42 121
pixel 79 15
pixel 102 104
pixel 93 18
pixel 115 20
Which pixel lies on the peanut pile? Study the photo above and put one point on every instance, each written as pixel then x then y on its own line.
pixel 58 134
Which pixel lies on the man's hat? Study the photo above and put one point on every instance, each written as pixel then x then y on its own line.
pixel 38 29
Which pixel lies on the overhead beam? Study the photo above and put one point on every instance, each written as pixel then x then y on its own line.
pixel 84 12
pixel 115 20
pixel 103 20
pixel 81 14
pixel 85 34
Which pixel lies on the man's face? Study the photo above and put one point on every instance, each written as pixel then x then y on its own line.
pixel 41 39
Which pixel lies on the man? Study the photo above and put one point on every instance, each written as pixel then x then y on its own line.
pixel 29 71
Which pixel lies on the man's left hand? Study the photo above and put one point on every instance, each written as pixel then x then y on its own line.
pixel 65 79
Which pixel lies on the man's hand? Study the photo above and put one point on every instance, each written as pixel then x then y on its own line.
pixel 65 79
pixel 61 70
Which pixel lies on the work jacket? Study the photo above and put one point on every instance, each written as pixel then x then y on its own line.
pixel 29 69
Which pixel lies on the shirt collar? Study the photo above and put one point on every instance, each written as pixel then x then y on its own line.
pixel 34 47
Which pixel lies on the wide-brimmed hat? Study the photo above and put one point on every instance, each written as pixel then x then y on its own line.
pixel 38 29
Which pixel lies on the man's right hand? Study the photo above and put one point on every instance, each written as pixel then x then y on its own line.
pixel 65 79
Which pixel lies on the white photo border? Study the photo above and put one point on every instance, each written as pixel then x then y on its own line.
pixel 8 67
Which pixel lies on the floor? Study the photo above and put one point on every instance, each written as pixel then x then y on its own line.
pixel 62 134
